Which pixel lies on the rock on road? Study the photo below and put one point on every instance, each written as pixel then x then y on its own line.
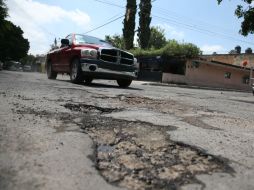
pixel 58 135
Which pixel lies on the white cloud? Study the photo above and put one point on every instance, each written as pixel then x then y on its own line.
pixel 33 17
pixel 172 32
pixel 208 49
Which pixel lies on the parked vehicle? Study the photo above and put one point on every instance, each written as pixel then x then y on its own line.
pixel 253 89
pixel 27 68
pixel 1 65
pixel 13 66
pixel 86 58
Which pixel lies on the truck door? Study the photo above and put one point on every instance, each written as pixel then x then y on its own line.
pixel 65 56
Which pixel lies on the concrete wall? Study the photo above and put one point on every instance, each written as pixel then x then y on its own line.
pixel 210 75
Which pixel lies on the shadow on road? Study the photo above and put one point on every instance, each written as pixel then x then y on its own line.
pixel 100 85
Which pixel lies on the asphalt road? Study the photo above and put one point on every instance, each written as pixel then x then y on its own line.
pixel 59 135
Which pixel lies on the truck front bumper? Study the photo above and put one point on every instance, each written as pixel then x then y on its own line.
pixel 106 70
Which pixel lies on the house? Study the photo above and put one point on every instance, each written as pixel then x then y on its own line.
pixel 229 71
pixel 150 68
pixel 241 59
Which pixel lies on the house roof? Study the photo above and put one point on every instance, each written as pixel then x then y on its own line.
pixel 222 64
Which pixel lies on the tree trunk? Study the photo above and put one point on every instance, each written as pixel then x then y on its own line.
pixel 129 23
pixel 144 30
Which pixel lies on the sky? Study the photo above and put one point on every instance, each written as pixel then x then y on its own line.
pixel 212 27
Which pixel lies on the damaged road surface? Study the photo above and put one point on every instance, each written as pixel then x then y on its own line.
pixel 57 135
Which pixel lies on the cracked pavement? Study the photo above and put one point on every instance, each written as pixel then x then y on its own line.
pixel 58 135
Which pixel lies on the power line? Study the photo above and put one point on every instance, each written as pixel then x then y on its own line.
pixel 174 15
pixel 201 30
pixel 192 27
pixel 104 24
pixel 108 3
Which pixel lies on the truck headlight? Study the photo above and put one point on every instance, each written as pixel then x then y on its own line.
pixel 89 53
pixel 136 63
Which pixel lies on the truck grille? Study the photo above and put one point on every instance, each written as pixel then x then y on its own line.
pixel 116 56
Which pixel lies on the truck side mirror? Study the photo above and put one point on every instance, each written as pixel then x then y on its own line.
pixel 65 42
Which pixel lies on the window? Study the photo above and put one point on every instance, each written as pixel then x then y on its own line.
pixel 174 66
pixel 69 37
pixel 227 75
pixel 84 39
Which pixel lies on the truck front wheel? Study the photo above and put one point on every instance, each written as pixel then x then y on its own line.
pixel 124 83
pixel 50 73
pixel 76 75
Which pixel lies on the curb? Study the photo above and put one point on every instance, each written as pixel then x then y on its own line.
pixel 194 87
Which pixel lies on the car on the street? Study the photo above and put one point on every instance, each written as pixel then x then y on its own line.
pixel 1 65
pixel 12 65
pixel 27 68
pixel 86 58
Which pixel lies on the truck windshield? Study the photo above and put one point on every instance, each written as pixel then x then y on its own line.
pixel 84 39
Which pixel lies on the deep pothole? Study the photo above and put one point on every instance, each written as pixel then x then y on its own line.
pixel 138 155
pixel 85 108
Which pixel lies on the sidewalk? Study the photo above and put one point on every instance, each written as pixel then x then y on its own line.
pixel 190 86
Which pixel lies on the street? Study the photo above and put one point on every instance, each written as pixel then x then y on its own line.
pixel 59 135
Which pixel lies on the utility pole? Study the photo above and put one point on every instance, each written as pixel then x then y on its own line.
pixel 251 75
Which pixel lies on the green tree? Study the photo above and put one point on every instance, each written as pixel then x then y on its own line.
pixel 28 60
pixel 3 11
pixel 144 30
pixel 157 38
pixel 129 23
pixel 13 45
pixel 116 40
pixel 247 13
pixel 171 49
pixel 176 49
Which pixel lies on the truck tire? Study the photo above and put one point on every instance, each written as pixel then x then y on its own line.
pixel 124 83
pixel 76 75
pixel 50 73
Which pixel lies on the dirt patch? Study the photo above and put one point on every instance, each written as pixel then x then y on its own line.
pixel 140 155
pixel 168 106
pixel 197 121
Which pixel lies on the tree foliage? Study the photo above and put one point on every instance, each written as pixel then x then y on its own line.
pixel 129 23
pixel 3 11
pixel 28 60
pixel 144 30
pixel 13 45
pixel 116 40
pixel 157 38
pixel 247 13
pixel 171 49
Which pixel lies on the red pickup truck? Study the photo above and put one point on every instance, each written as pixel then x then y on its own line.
pixel 86 58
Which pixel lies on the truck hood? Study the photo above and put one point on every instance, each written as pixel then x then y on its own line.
pixel 94 46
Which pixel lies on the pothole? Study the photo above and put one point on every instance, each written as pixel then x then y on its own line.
pixel 138 155
pixel 84 108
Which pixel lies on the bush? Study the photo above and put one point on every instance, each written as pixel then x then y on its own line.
pixel 171 49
